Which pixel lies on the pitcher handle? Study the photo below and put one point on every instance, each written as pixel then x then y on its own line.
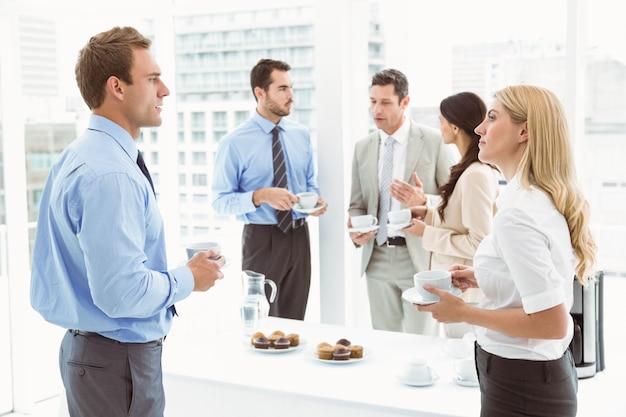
pixel 274 289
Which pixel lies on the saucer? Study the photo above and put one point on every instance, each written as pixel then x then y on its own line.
pixel 363 229
pixel 296 207
pixel 398 226
pixel 433 378
pixel 465 382
pixel 411 295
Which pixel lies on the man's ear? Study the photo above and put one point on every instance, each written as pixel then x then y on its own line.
pixel 115 87
pixel 259 93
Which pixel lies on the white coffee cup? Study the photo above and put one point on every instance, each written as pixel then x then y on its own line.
pixel 307 200
pixel 436 278
pixel 365 220
pixel 399 216
pixel 457 348
pixel 194 248
pixel 417 371
pixel 466 370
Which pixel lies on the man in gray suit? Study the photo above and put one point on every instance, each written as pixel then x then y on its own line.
pixel 419 163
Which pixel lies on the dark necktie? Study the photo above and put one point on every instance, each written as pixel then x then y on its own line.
pixel 283 217
pixel 144 169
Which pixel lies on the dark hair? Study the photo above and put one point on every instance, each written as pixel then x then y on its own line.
pixel 106 54
pixel 395 77
pixel 465 111
pixel 261 74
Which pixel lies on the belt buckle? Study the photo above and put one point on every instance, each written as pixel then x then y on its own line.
pixel 389 245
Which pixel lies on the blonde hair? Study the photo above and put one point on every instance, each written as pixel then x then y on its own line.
pixel 547 163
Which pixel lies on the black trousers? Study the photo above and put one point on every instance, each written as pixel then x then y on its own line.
pixel 516 387
pixel 285 258
pixel 106 378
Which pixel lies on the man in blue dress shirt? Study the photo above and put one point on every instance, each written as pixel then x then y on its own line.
pixel 99 263
pixel 244 185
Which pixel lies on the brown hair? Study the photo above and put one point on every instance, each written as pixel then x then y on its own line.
pixel 261 74
pixel 466 111
pixel 106 54
pixel 395 77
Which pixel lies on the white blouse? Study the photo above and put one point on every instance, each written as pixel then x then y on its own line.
pixel 528 261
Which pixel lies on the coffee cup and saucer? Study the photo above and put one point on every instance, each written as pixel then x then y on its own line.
pixel 465 373
pixel 363 224
pixel 307 203
pixel 417 373
pixel 435 278
pixel 399 219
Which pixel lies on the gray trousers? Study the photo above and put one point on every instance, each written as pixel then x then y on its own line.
pixel 389 273
pixel 106 378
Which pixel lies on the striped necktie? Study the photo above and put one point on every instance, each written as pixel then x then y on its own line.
pixel 385 193
pixel 283 217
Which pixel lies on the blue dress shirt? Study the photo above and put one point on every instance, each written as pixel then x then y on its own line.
pixel 243 164
pixel 99 261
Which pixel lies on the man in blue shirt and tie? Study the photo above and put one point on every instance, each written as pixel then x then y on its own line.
pixel 99 263
pixel 247 183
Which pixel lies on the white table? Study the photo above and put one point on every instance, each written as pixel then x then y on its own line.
pixel 221 376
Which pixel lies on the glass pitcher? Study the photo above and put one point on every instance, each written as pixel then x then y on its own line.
pixel 254 288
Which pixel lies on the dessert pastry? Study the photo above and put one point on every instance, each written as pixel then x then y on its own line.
pixel 256 335
pixel 278 333
pixel 281 343
pixel 261 342
pixel 341 354
pixel 273 338
pixel 293 338
pixel 356 351
pixel 344 342
pixel 324 351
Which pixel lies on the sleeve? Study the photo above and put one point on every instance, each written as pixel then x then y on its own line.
pixel 357 205
pixel 526 250
pixel 478 191
pixel 112 218
pixel 226 176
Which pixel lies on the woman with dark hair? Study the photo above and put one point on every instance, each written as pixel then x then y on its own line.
pixel 464 215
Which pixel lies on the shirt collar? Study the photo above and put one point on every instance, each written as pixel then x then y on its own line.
pixel 265 124
pixel 117 132
pixel 401 135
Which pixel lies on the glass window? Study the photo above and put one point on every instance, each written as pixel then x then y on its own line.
pixel 198 158
pixel 199 180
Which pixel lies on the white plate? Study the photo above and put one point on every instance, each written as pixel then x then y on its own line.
pixel 366 354
pixel 433 378
pixel 363 229
pixel 464 382
pixel 412 296
pixel 250 346
pixel 296 207
pixel 396 227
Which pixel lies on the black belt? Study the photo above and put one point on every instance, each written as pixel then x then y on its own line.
pixel 295 224
pixel 98 335
pixel 395 241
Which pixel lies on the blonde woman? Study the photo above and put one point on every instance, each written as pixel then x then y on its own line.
pixel 540 242
pixel 453 231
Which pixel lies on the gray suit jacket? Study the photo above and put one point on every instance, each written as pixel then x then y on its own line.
pixel 427 155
